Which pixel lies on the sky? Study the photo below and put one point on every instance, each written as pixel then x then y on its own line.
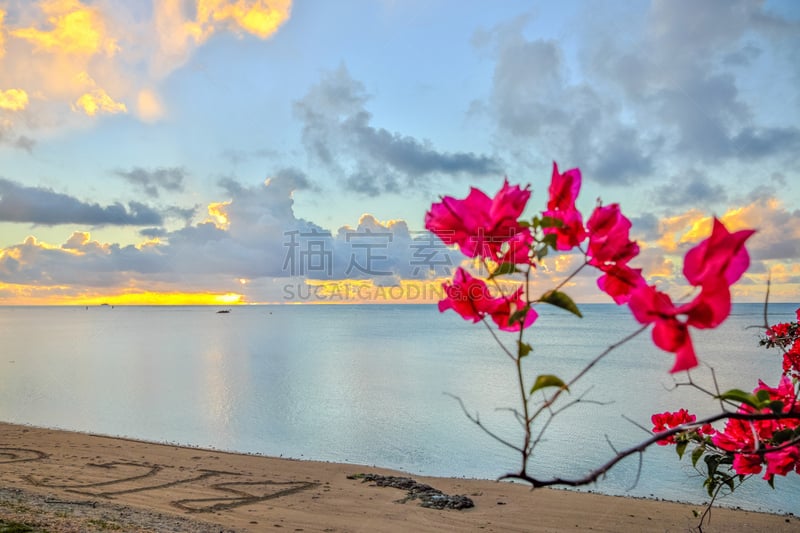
pixel 270 151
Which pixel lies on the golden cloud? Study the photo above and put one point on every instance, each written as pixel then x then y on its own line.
pixel 148 106
pixel 177 32
pixel 13 99
pixel 218 211
pixel 261 17
pixel 75 29
pixel 98 101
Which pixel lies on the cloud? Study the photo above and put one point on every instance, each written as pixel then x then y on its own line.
pixel 620 97
pixel 74 29
pixel 235 156
pixel 149 107
pixel 338 134
pixel 150 181
pixel 7 136
pixel 98 101
pixel 255 236
pixel 693 189
pixel 24 143
pixel 98 58
pixel 13 99
pixel 533 99
pixel 682 76
pixel 258 17
pixel 753 143
pixel 37 205
pixel 179 30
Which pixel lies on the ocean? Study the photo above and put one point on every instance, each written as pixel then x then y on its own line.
pixel 373 384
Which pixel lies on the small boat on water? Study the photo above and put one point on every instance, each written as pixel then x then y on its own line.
pixel 223 311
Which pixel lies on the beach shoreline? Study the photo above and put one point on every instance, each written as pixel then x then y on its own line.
pixel 68 481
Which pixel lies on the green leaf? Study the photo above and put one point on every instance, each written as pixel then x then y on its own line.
pixel 523 348
pixel 697 454
pixel 560 299
pixel 776 406
pixel 784 435
pixel 518 316
pixel 771 481
pixel 550 222
pixel 504 268
pixel 524 223
pixel 550 240
pixel 737 395
pixel 712 461
pixel 680 448
pixel 548 380
pixel 763 396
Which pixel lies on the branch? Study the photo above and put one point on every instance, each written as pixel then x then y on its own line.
pixel 475 420
pixel 594 475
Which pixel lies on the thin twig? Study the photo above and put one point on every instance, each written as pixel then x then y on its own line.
pixel 475 420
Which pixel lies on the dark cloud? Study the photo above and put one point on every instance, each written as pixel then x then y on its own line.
pixel 535 104
pixel 38 205
pixel 680 76
pixel 742 57
pixel 663 88
pixel 235 156
pixel 151 233
pixel 150 181
pixel 692 189
pixel 646 227
pixel 337 133
pixel 25 143
pixel 8 137
pixel 755 143
pixel 257 236
pixel 182 213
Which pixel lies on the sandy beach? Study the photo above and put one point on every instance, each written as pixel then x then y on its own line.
pixel 65 481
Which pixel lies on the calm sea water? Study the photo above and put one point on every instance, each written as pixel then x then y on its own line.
pixel 367 384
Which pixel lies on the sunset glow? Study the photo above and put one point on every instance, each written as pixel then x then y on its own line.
pixel 214 152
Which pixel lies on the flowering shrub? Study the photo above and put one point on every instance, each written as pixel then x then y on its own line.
pixel 764 428
pixel 763 435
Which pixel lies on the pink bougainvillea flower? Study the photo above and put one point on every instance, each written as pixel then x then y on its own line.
pixel 651 306
pixel 782 461
pixel 785 394
pixel 470 298
pixel 564 189
pixel 721 255
pixel 479 225
pixel 738 436
pixel 467 296
pixel 672 335
pixel 609 240
pixel 791 363
pixel 712 265
pixel 709 308
pixel 668 420
pixel 745 464
pixel 741 436
pixel 619 281
pixel 506 307
pixel 517 250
